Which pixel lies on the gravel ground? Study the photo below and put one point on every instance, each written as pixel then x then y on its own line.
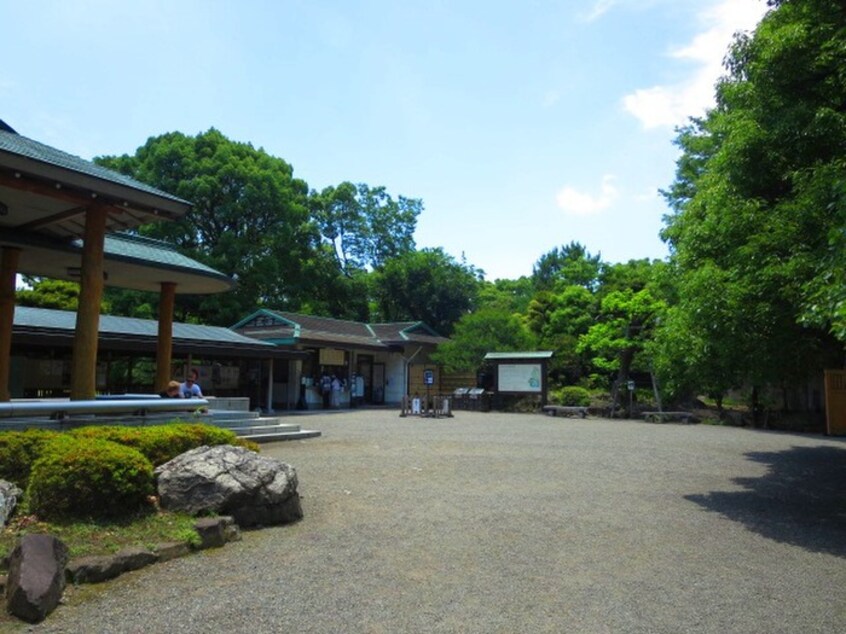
pixel 516 523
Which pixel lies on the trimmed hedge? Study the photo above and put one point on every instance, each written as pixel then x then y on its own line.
pixel 88 478
pixel 571 395
pixel 18 450
pixel 161 443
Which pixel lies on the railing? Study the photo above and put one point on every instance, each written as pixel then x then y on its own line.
pixel 135 406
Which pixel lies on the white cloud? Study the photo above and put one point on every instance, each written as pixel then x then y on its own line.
pixel 671 105
pixel 582 204
pixel 599 8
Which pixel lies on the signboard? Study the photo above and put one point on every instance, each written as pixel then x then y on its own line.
pixel 331 356
pixel 519 377
pixel 428 377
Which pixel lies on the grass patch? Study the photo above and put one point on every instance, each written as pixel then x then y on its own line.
pixel 105 537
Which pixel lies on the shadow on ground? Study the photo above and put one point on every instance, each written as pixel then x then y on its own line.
pixel 800 501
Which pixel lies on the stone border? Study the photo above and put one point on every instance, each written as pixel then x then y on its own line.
pixel 213 532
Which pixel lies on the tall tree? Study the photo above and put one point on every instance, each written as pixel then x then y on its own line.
pixel 249 219
pixel 759 197
pixel 569 265
pixel 427 285
pixel 364 225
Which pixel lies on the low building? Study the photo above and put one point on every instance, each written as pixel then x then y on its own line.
pixel 374 363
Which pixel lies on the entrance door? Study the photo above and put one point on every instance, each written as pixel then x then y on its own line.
pixel 364 365
pixel 378 383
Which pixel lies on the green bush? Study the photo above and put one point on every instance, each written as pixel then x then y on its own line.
pixel 571 395
pixel 88 478
pixel 161 443
pixel 18 450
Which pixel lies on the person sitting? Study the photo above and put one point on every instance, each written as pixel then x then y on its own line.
pixel 190 389
pixel 172 390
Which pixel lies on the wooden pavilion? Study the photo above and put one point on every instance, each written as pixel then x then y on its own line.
pixel 58 214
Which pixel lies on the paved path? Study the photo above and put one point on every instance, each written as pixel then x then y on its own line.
pixel 495 523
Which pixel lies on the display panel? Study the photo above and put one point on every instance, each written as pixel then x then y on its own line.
pixel 519 377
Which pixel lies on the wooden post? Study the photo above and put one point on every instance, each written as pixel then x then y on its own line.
pixel 164 344
pixel 8 273
pixel 86 338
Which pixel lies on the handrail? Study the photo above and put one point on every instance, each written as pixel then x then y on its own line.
pixel 59 409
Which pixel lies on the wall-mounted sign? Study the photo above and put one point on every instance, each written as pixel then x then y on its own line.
pixel 331 356
pixel 428 377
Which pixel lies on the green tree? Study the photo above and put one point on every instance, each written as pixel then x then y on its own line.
pixel 476 334
pixel 364 225
pixel 758 201
pixel 427 285
pixel 249 219
pixel 569 265
pixel 49 293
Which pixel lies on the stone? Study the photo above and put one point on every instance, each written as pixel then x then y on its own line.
pixel 93 569
pixel 228 480
pixel 214 532
pixel 36 577
pixel 9 494
pixel 99 568
pixel 171 550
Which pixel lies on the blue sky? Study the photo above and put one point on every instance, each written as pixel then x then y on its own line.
pixel 521 125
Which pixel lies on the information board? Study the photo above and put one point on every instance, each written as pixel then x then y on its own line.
pixel 519 377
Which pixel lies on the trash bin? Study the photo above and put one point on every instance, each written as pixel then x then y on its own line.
pixel 474 395
pixel 459 398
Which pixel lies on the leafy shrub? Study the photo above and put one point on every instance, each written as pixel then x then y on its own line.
pixel 18 450
pixel 88 477
pixel 161 443
pixel 571 395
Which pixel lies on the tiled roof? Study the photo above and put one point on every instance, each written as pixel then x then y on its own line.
pixel 506 356
pixel 154 251
pixel 281 325
pixel 46 318
pixel 22 146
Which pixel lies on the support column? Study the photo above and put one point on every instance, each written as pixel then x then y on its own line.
pixel 86 338
pixel 8 273
pixel 270 386
pixel 164 344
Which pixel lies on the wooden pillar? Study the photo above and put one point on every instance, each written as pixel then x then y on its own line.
pixel 164 345
pixel 8 273
pixel 86 337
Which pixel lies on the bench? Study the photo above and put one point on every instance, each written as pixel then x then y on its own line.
pixel 665 417
pixel 566 410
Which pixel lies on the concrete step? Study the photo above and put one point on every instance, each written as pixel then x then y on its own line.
pixel 232 415
pixel 267 429
pixel 274 437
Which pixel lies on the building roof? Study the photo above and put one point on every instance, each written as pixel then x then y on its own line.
pixel 516 356
pixel 46 191
pixel 44 197
pixel 293 328
pixel 43 326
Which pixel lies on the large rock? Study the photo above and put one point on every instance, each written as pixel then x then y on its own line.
pixel 226 480
pixel 36 577
pixel 9 494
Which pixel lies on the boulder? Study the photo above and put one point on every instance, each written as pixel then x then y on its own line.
pixel 227 480
pixel 36 577
pixel 9 494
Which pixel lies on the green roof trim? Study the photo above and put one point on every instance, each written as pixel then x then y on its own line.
pixel 513 356
pixel 19 145
pixel 132 247
pixel 30 317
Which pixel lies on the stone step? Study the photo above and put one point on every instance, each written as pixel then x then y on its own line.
pixel 274 437
pixel 231 415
